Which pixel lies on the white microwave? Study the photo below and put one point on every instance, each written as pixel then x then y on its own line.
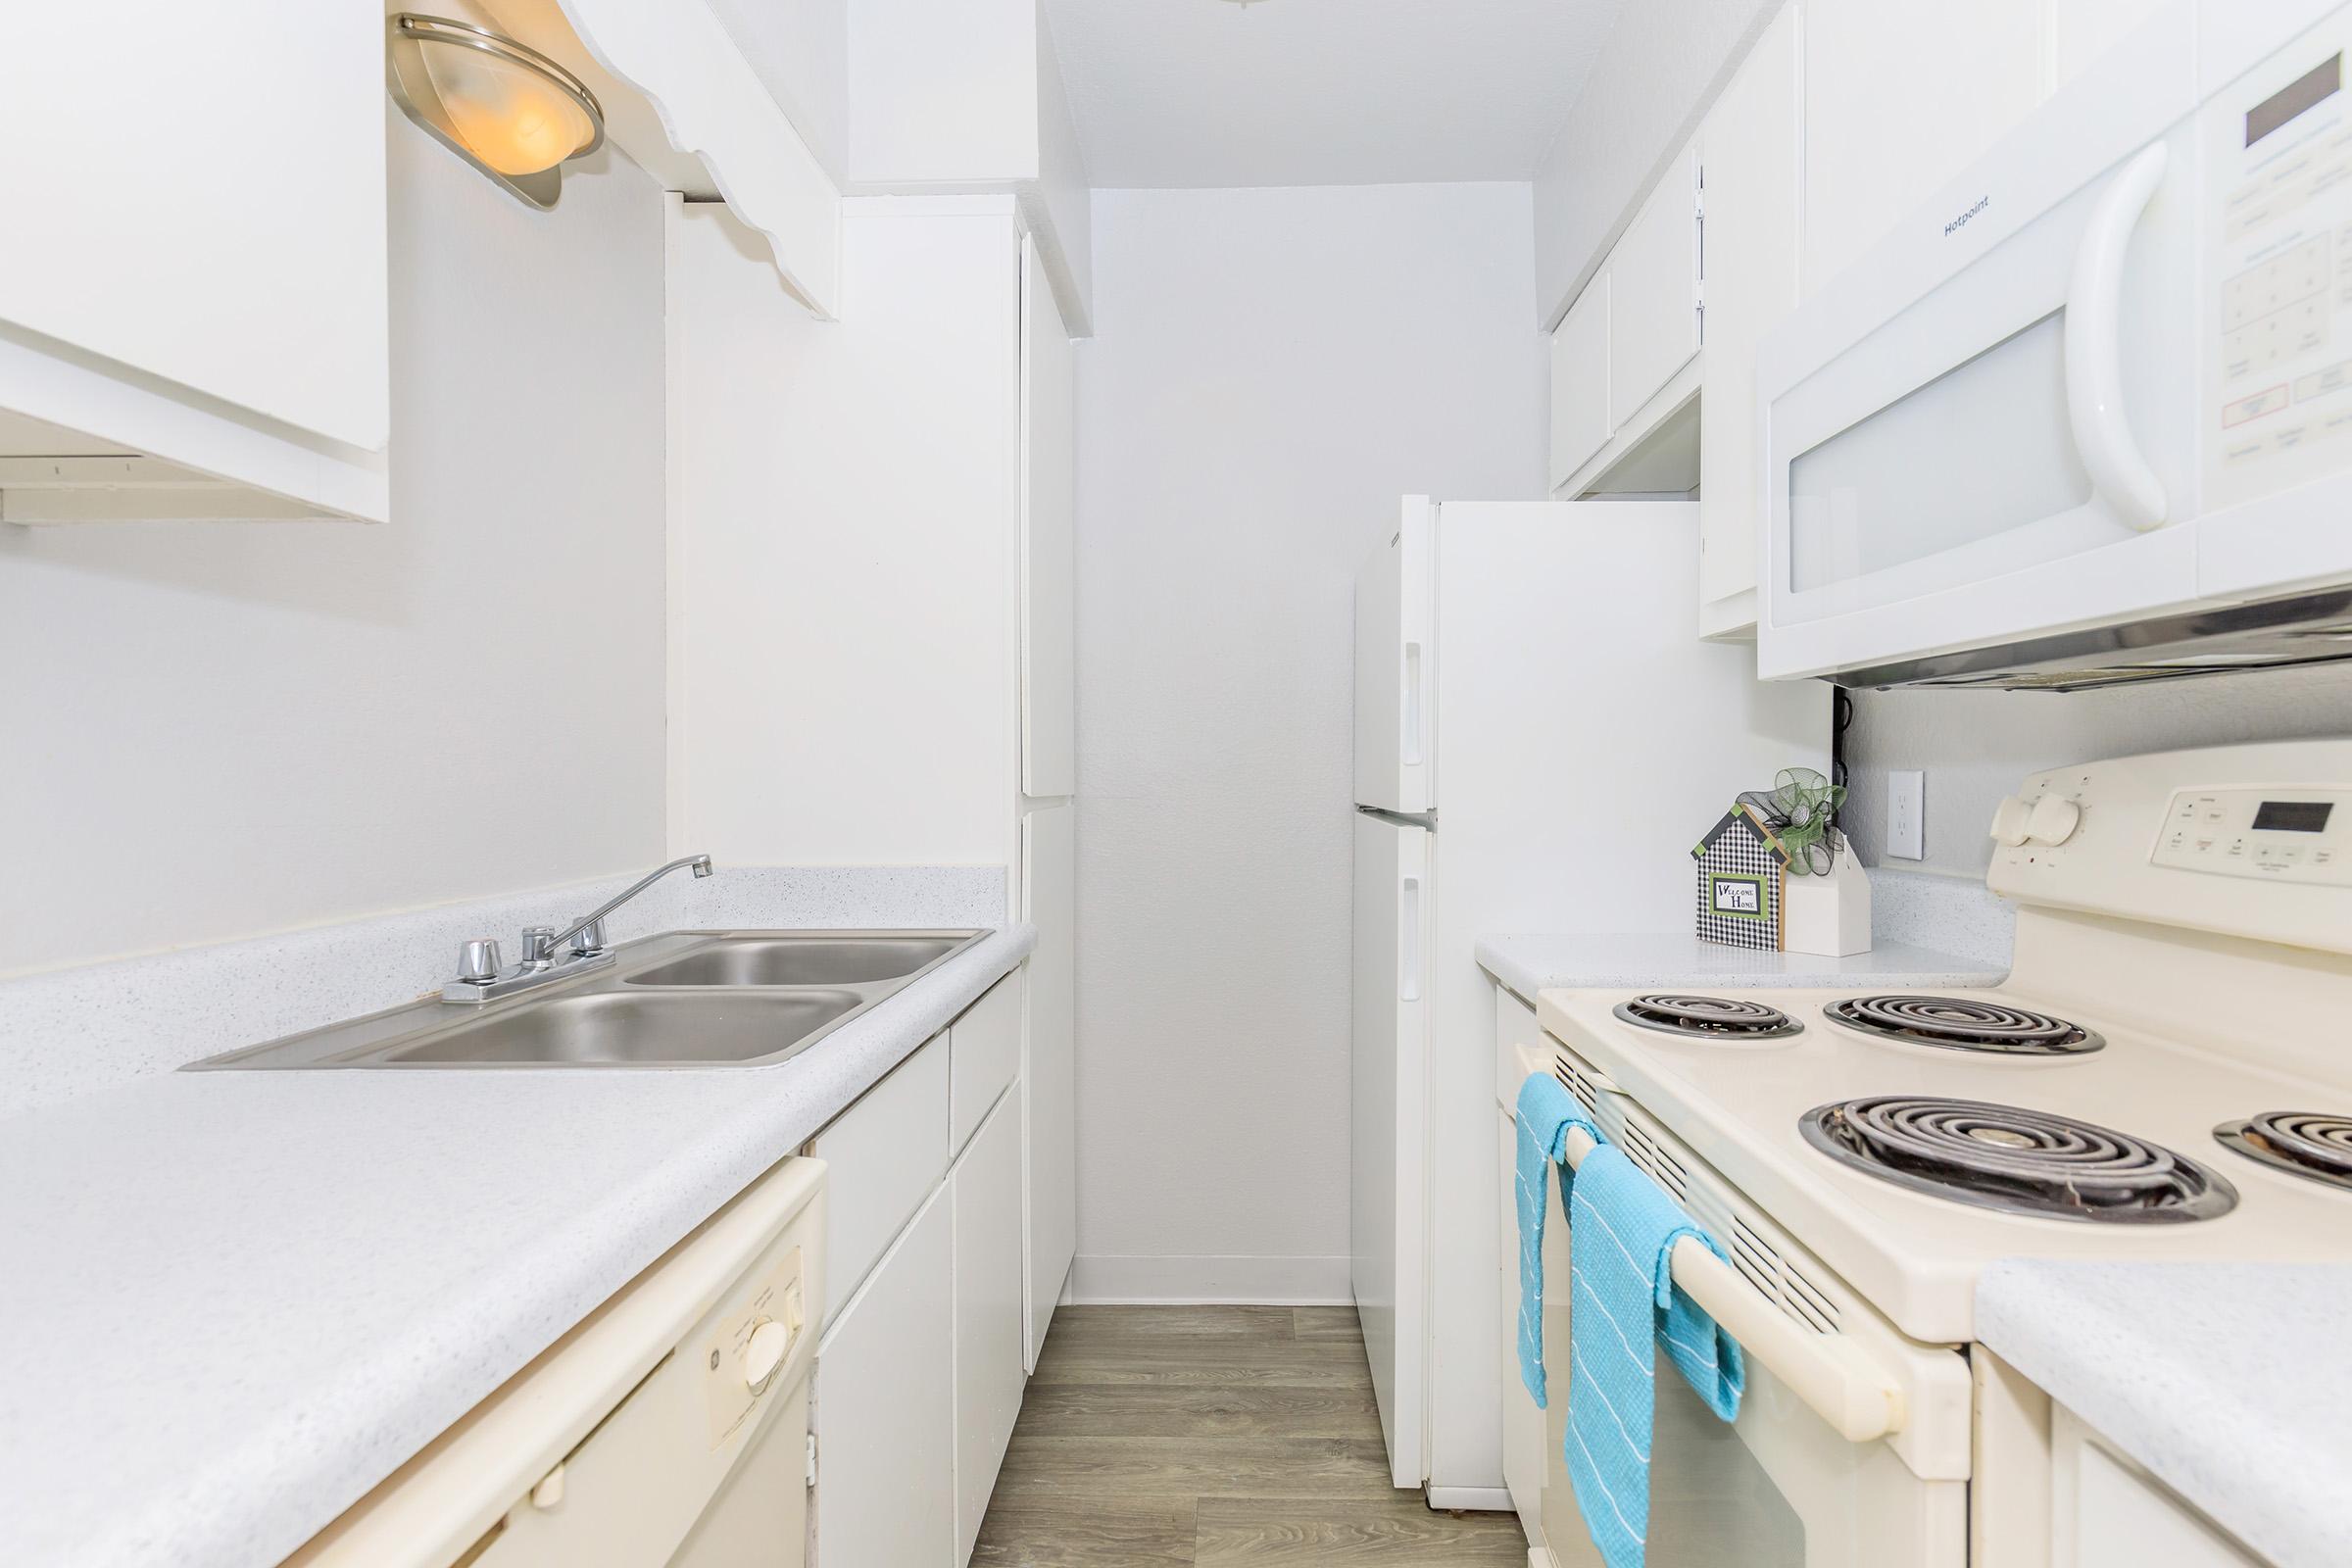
pixel 2086 417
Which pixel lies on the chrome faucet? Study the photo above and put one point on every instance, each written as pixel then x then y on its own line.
pixel 482 978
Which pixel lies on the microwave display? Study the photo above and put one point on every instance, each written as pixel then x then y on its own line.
pixel 2317 85
pixel 2292 816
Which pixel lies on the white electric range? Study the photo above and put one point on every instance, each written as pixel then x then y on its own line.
pixel 2160 1077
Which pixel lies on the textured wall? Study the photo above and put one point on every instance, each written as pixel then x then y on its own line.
pixel 1978 745
pixel 221 730
pixel 1272 368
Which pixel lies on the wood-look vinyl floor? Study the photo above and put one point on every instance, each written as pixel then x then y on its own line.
pixel 1214 1437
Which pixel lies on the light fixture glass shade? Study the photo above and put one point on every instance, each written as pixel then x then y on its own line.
pixel 508 109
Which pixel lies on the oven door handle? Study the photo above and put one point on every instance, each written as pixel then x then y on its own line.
pixel 1839 1379
pixel 2119 471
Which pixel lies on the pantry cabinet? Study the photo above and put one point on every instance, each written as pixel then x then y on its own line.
pixel 194 284
pixel 1751 146
pixel 1049 1066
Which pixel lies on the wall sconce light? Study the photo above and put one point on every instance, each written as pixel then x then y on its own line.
pixel 509 110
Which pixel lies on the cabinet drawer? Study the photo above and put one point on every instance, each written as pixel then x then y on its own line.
pixel 986 1043
pixel 883 1156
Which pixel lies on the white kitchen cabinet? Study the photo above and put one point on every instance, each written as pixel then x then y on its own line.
pixel 985 1057
pixel 2108 1512
pixel 1751 147
pixel 1654 293
pixel 1049 1067
pixel 885 1409
pixel 1049 539
pixel 1900 95
pixel 195 278
pixel 1580 382
pixel 885 1155
pixel 991 1368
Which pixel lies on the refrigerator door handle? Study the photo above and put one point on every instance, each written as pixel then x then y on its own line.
pixel 1410 721
pixel 1408 940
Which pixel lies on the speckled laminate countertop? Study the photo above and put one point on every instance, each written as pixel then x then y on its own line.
pixel 235 1301
pixel 2229 1382
pixel 1528 963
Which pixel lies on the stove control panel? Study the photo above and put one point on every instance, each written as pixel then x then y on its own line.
pixel 2292 835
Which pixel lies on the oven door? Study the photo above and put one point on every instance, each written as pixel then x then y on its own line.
pixel 1986 429
pixel 1782 1487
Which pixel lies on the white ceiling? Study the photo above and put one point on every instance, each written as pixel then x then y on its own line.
pixel 1322 92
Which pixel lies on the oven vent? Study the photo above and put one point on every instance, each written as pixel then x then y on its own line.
pixel 1640 1147
pixel 1768 1272
pixel 1576 1083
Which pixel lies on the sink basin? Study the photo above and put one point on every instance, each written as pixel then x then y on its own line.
pixel 798 961
pixel 612 1028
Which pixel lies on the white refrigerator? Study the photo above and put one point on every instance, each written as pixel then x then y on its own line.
pixel 1541 736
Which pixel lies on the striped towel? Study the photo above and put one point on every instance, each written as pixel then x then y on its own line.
pixel 1624 1305
pixel 1546 1112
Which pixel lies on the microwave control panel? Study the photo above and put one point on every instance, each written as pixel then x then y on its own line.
pixel 2278 151
pixel 2292 835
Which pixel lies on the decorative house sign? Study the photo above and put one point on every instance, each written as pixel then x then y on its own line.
pixel 1741 864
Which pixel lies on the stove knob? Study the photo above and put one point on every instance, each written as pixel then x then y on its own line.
pixel 2009 822
pixel 2054 821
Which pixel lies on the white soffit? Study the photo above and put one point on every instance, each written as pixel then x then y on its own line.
pixel 1322 92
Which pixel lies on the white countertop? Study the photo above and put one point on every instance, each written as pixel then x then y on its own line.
pixel 235 1301
pixel 2227 1382
pixel 1528 963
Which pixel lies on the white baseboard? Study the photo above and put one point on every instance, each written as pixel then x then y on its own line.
pixel 1472 1500
pixel 1129 1281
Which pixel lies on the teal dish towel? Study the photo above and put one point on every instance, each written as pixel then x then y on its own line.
pixel 1625 1308
pixel 1546 1112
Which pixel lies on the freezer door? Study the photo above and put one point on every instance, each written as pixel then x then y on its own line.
pixel 1389 1064
pixel 1395 667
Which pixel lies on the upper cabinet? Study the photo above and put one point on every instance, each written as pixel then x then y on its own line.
pixel 1580 382
pixel 193 292
pixel 1654 293
pixel 1751 146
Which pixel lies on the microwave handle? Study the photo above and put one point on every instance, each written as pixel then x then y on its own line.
pixel 2118 471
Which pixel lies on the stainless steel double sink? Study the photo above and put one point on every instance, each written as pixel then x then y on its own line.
pixel 695 998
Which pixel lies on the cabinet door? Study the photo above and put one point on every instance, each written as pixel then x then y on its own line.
pixel 1048 1070
pixel 2107 1512
pixel 1580 382
pixel 1654 293
pixel 197 192
pixel 1049 560
pixel 985 1046
pixel 886 1409
pixel 883 1156
pixel 1900 95
pixel 990 1372
pixel 1750 148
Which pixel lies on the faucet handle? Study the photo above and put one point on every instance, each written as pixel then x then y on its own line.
pixel 538 945
pixel 477 961
pixel 589 940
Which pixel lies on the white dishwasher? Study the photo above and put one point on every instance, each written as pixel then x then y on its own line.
pixel 670 1429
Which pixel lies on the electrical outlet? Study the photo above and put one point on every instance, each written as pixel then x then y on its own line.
pixel 1906 814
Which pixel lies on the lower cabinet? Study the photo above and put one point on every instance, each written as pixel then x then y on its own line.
pixel 885 1413
pixel 922 1367
pixel 990 1369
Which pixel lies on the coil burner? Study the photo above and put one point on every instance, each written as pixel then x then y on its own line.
pixel 2307 1143
pixel 1717 1018
pixel 2017 1162
pixel 1953 1024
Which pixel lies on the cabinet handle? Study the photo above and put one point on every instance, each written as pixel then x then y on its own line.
pixel 2118 471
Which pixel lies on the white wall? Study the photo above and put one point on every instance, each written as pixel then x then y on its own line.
pixel 1660 70
pixel 216 730
pixel 1976 746
pixel 1271 369
pixel 843 538
pixel 800 49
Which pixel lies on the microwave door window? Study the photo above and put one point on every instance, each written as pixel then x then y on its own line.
pixel 1982 449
